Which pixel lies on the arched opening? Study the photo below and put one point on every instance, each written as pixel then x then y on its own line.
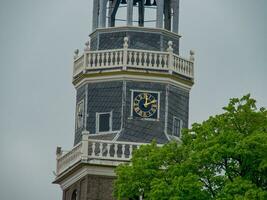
pixel 74 195
pixel 149 13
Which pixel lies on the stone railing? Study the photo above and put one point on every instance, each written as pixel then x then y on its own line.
pixel 89 150
pixel 65 160
pixel 133 58
pixel 109 150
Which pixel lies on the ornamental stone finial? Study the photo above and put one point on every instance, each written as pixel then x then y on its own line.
pixel 170 44
pixel 85 132
pixel 87 46
pixel 125 44
pixel 192 56
pixel 76 53
pixel 59 151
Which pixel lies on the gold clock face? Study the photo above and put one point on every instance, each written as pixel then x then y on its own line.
pixel 145 105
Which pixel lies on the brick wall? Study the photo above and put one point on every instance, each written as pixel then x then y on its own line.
pixel 91 187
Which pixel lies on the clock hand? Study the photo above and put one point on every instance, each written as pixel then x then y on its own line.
pixel 146 104
pixel 146 98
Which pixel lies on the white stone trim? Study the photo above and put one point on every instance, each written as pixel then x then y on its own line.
pixel 148 91
pixel 110 122
pixel 166 111
pixel 102 13
pixel 139 78
pixel 135 28
pixel 86 113
pixel 86 170
pixel 95 14
pixel 176 10
pixel 76 115
pixel 102 133
pixel 160 7
pixel 129 12
pixel 181 126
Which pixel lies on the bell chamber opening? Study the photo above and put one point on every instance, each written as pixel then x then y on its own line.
pixel 144 13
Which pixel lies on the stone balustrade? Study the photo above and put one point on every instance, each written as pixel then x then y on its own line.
pixel 67 159
pixel 135 59
pixel 89 150
pixel 109 150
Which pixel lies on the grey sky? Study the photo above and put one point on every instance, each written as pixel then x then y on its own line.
pixel 37 99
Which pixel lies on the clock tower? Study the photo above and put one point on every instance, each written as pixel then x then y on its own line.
pixel 132 87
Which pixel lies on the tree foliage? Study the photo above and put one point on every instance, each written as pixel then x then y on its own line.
pixel 225 157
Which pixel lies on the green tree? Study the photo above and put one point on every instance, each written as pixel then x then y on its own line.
pixel 223 158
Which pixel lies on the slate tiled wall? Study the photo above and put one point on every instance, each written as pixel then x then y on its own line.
pixel 107 96
pixel 137 40
pixel 111 40
pixel 140 130
pixel 104 97
pixel 80 95
pixel 93 43
pixel 178 106
pixel 141 40
pixel 175 42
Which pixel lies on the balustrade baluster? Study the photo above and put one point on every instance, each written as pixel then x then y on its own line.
pixel 116 59
pixel 135 58
pixel 111 58
pixel 94 60
pixel 120 58
pixel 189 69
pixel 174 63
pixel 123 151
pixel 180 65
pixel 165 61
pixel 102 55
pixel 105 59
pixel 101 149
pixel 139 59
pixel 160 61
pixel 108 59
pixel 130 58
pixel 98 60
pixel 130 151
pixel 145 59
pixel 89 60
pixel 108 150
pixel 155 61
pixel 93 149
pixel 150 60
pixel 115 150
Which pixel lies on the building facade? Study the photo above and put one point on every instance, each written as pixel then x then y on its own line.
pixel 132 87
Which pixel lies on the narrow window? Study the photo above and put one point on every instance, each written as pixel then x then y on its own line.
pixel 80 115
pixel 177 126
pixel 74 195
pixel 103 122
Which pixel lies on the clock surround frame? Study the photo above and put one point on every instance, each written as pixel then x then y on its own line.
pixel 149 92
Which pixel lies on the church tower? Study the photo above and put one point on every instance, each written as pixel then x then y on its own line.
pixel 132 87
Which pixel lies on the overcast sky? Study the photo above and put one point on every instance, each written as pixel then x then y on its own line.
pixel 37 99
